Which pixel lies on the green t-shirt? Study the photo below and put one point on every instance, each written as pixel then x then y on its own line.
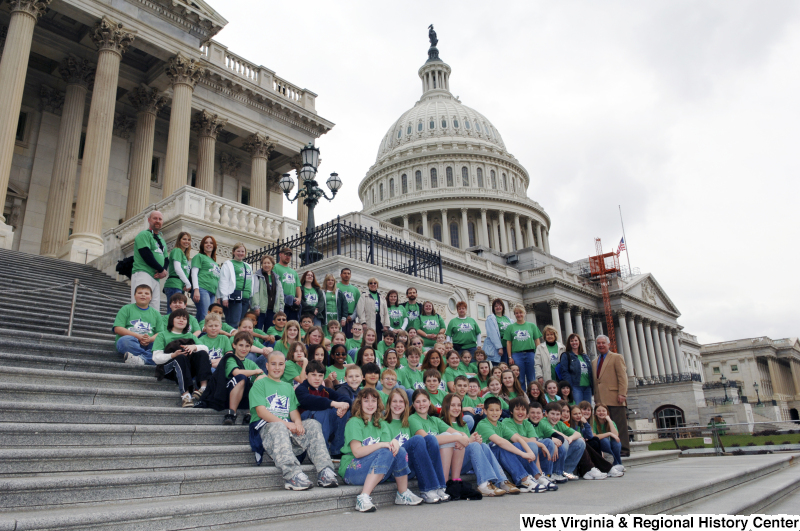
pixel 430 324
pixel 382 348
pixel 351 344
pixel 522 336
pixel 585 367
pixel 277 397
pixel 502 324
pixel 553 350
pixel 244 277
pixel 217 347
pixel 413 311
pixel 330 306
pixel 207 272
pixel 437 398
pixel 595 429
pixel 249 365
pixel 340 373
pixel 225 326
pixel 483 384
pixel 291 371
pixel 544 430
pixel 525 429
pixel 275 332
pixel 471 369
pixel 165 338
pixel 384 399
pixel 463 429
pixel 289 278
pixel 133 318
pixel 396 430
pixel 163 321
pixel 486 429
pixel 173 280
pixel 310 297
pixel 451 374
pixel 431 425
pixel 147 239
pixel 503 403
pixel 563 428
pixel 468 401
pixel 411 379
pixel 280 347
pixel 351 295
pixel 397 314
pixel 464 332
pixel 367 434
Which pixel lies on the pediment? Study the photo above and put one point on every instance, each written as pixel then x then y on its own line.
pixel 649 290
pixel 202 9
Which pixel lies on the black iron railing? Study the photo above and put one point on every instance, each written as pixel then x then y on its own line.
pixel 339 238
pixel 670 378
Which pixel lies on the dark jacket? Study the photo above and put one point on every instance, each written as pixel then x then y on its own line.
pixel 315 402
pixel 321 307
pixel 347 393
pixel 216 394
pixel 570 368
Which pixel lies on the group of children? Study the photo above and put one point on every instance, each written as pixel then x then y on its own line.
pixel 382 408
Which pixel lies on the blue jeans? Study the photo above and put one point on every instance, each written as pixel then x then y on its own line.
pixel 132 345
pixel 480 459
pixel 527 370
pixel 470 350
pixel 425 462
pixel 511 463
pixel 265 319
pixel 581 393
pixel 610 446
pixel 332 427
pixel 470 422
pixel 234 312
pixel 206 298
pixel 546 464
pixel 568 456
pixel 259 359
pixel 380 462
pixel 169 292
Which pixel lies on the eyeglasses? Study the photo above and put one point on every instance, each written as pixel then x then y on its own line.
pixel 287 253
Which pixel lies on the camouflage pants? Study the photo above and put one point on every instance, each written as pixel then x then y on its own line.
pixel 282 446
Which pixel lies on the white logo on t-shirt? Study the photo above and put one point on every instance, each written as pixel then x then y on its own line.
pixel 288 278
pixel 521 335
pixel 402 437
pixel 311 298
pixel 140 327
pixel 430 323
pixel 278 405
pixel 395 314
pixel 371 440
pixel 214 353
pixel 349 297
pixel 465 327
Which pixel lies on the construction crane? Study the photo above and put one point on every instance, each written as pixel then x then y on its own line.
pixel 602 268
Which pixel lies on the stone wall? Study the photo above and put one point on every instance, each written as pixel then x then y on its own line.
pixel 688 396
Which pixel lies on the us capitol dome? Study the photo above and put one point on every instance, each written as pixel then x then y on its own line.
pixel 443 171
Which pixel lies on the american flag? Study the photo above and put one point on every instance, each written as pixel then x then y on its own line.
pixel 621 246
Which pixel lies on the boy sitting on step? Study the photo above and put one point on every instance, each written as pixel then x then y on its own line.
pixel 135 327
pixel 217 343
pixel 240 374
pixel 215 307
pixel 178 302
pixel 315 401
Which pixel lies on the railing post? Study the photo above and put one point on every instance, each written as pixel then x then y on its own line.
pixel 72 307
pixel 371 247
pixel 441 277
pixel 338 236
pixel 414 261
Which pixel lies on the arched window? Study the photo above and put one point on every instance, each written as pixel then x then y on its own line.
pixel 373 196
pixel 513 239
pixel 466 123
pixel 480 177
pixel 404 183
pixel 408 131
pixel 391 187
pixel 399 133
pixel 444 123
pixel 490 235
pixel 513 179
pixel 419 229
pixel 455 123
pixel 464 176
pixel 494 180
pixel 477 126
pixel 432 125
pixel 471 231
pixel 419 127
pixel 418 179
pixel 437 232
pixel 500 240
pixel 669 417
pixel 434 180
pixel 449 173
pixel 380 193
pixel 505 183
pixel 454 234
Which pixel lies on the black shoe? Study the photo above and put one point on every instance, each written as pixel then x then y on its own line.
pixel 453 490
pixel 246 419
pixel 230 418
pixel 159 372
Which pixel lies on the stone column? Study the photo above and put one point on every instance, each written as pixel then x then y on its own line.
pixel 529 227
pixel 539 236
pixel 464 229
pixel 302 209
pixel 445 228
pixel 484 232
pixel 518 232
pixel 405 221
pixel 546 240
pixel 599 324
pixel 647 368
pixel 184 73
pixel 86 242
pixel 259 147
pixel 147 102
pixel 590 346
pixel 624 345
pixel 207 126
pixel 673 364
pixel 651 353
pixel 678 352
pixel 503 233
pixel 79 74
pixel 579 326
pixel 425 224
pixel 678 363
pixel 530 313
pixel 663 367
pixel 638 369
pixel 775 378
pixel 13 71
pixel 554 315
pixel 567 322
pixel 793 366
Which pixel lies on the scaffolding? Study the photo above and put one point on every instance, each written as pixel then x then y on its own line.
pixel 602 268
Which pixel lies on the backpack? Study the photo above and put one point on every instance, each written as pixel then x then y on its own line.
pixel 125 267
pixel 216 394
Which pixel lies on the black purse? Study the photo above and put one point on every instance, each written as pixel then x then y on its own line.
pixel 237 293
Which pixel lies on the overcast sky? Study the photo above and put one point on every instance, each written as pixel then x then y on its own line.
pixel 685 113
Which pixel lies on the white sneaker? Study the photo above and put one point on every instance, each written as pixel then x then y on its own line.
pixel 594 474
pixel 364 504
pixel 430 496
pixel 531 485
pixel 621 468
pixel 571 477
pixel 615 473
pixel 132 359
pixel 443 496
pixel 407 498
pixel 549 485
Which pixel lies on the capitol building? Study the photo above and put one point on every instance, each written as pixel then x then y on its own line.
pixel 110 109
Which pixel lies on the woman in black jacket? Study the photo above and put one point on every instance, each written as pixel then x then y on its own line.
pixel 576 369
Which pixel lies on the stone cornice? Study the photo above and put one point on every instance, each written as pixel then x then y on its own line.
pixel 466 268
pixel 189 18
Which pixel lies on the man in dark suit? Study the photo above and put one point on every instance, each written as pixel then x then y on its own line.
pixel 611 388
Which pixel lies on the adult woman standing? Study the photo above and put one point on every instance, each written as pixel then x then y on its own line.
pixel 335 301
pixel 205 276
pixel 521 339
pixel 496 325
pixel 371 309
pixel 547 355
pixel 178 279
pixel 398 317
pixel 576 369
pixel 235 286
pixel 312 300
pixel 267 298
pixel 429 324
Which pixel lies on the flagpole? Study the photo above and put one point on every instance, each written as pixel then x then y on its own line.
pixel 626 240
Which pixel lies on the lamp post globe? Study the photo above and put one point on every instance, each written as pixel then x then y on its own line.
pixel 334 182
pixel 286 183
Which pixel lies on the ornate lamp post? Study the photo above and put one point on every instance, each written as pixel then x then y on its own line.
pixel 755 386
pixel 311 193
pixel 724 381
